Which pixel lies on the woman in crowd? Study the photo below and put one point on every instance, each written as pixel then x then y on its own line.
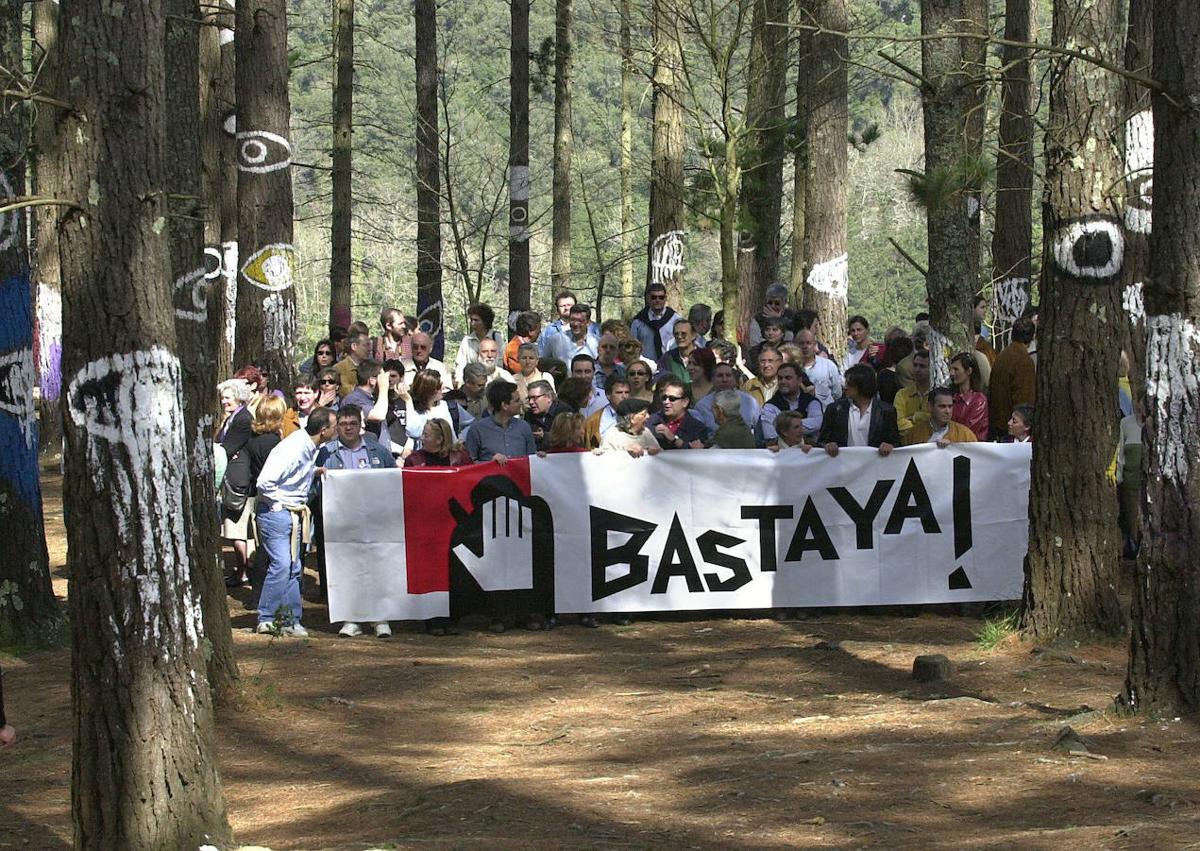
pixel 639 375
pixel 257 382
pixel 267 428
pixel 1020 425
pixel 328 382
pixel 527 358
pixel 630 433
pixel 233 433
pixel 789 425
pixel 701 363
pixel 425 396
pixel 438 448
pixel 629 350
pixel 480 318
pixel 970 403
pixel 304 399
pixel 566 433
pixel 862 349
pixel 324 355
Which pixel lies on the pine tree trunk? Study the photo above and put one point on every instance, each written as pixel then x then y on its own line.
pixel 1139 166
pixel 564 63
pixel 974 52
pixel 519 231
pixel 1071 568
pixel 732 301
pixel 144 767
pixel 628 305
pixel 45 223
pixel 953 268
pixel 666 163
pixel 1012 238
pixel 27 604
pixel 762 168
pixel 185 230
pixel 218 156
pixel 429 231
pixel 826 275
pixel 266 298
pixel 343 122
pixel 1164 660
pixel 800 159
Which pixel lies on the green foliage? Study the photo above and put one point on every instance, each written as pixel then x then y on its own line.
pixel 996 629
pixel 941 186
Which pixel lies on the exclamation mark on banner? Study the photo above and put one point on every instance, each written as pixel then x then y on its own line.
pixel 961 501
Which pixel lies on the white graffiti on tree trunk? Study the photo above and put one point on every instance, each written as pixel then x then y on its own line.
pixel 1089 248
pixel 1139 171
pixel 229 267
pixel 1134 303
pixel 261 152
pixel 130 410
pixel 1011 297
pixel 279 323
pixel 831 277
pixel 666 257
pixel 518 204
pixel 1173 391
pixel 272 267
pixel 193 287
pixel 10 223
pixel 17 378
pixel 940 352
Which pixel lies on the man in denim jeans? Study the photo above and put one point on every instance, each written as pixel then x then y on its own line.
pixel 282 517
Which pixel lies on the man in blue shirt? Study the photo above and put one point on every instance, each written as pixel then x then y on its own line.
pixel 502 435
pixel 578 339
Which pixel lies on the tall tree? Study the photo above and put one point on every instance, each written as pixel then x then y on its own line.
pixel 564 64
pixel 343 122
pixel 266 298
pixel 1139 170
pixel 761 196
pixel 1012 237
pixel 144 767
pixel 628 306
pixel 1071 569
pixel 800 156
pixel 45 237
pixel 974 53
pixel 27 603
pixel 826 275
pixel 666 163
pixel 947 189
pixel 519 231
pixel 189 272
pixel 429 227
pixel 1164 660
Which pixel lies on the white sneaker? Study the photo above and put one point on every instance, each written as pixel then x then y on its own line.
pixel 382 630
pixel 350 630
pixel 295 631
pixel 265 628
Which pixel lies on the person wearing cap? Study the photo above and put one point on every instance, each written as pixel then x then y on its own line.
pixel 630 433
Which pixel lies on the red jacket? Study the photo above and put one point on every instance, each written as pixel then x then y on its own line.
pixel 971 409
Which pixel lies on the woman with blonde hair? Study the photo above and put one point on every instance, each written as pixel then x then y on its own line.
pixel 640 375
pixel 566 433
pixel 438 448
pixel 233 433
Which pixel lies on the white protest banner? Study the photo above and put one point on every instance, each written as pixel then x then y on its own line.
pixel 686 530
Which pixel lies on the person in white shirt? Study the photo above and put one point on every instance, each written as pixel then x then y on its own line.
pixel 422 359
pixel 281 514
pixel 822 372
pixel 481 318
pixel 489 357
pixel 630 433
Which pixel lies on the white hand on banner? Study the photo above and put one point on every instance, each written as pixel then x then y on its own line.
pixel 506 563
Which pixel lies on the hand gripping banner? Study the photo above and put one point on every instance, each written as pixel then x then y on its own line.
pixel 694 530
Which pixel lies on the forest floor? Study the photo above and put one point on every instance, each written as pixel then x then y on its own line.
pixel 708 733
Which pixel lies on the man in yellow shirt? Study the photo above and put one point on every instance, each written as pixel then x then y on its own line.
pixel 911 402
pixel 938 427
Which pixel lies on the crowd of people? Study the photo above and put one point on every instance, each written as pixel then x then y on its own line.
pixel 665 382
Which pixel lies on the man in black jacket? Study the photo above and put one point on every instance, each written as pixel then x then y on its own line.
pixel 860 417
pixel 675 427
pixel 543 408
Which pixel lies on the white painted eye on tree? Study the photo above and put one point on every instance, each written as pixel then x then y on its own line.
pixel 518 214
pixel 1090 248
pixel 212 262
pixel 272 267
pixel 191 294
pixel 260 151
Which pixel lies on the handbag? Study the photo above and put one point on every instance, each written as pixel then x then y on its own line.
pixel 232 499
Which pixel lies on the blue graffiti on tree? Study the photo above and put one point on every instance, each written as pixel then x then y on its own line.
pixel 18 416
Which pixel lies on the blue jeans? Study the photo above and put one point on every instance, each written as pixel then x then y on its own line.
pixel 281 586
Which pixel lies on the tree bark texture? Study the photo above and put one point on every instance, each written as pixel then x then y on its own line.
pixel 665 260
pixel 564 64
pixel 27 603
pixel 1139 172
pixel 826 276
pixel 429 211
pixel 190 274
pixel 1164 660
pixel 48 338
pixel 1071 567
pixel 144 765
pixel 800 157
pixel 974 51
pixel 953 268
pixel 266 299
pixel 519 231
pixel 628 305
pixel 343 122
pixel 1012 238
pixel 761 198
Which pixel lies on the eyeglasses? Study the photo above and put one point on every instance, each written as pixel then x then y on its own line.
pixel 324 352
pixel 667 398
pixel 329 381
pixel 532 398
pixel 637 374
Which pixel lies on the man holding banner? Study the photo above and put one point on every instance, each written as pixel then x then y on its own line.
pixel 860 417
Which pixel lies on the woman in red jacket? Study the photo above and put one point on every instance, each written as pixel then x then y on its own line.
pixel 970 405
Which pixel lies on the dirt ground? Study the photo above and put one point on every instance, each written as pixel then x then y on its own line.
pixel 707 733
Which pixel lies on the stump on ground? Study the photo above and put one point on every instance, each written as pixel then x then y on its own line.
pixel 931 668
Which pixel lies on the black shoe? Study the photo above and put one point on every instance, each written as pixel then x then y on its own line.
pixel 589 621
pixel 623 620
pixel 235 580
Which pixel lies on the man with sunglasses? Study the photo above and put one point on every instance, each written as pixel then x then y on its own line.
pixel 654 326
pixel 675 427
pixel 422 358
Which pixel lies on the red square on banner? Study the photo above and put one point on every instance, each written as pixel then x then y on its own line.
pixel 429 523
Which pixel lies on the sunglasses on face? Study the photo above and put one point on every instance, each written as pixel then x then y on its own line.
pixel 673 398
pixel 324 353
pixel 329 381
pixel 639 374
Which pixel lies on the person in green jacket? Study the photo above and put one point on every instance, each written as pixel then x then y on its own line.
pixel 732 431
